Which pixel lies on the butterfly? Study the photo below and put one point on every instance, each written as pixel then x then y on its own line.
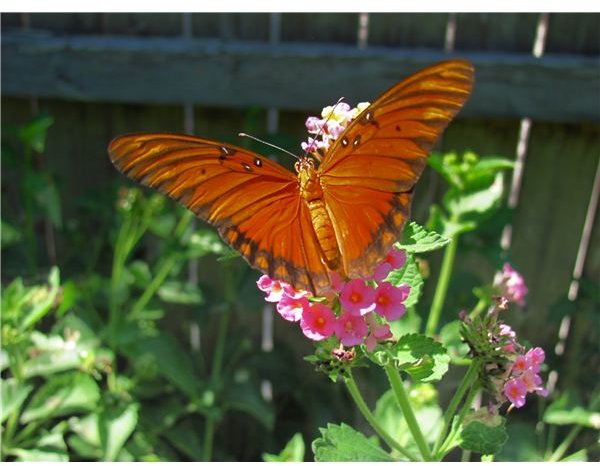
pixel 341 214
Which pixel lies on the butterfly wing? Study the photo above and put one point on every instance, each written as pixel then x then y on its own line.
pixel 369 172
pixel 252 201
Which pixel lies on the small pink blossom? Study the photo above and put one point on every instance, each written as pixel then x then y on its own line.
pixel 389 299
pixel 312 145
pixel 512 285
pixel 395 259
pixel 520 365
pixel 357 297
pixel 515 390
pixel 314 124
pixel 506 331
pixel 318 322
pixel 351 329
pixel 378 332
pixel 291 308
pixel 535 357
pixel 273 288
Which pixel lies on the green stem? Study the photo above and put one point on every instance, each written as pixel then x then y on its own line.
pixel 407 411
pixel 442 287
pixel 447 445
pixel 209 435
pixel 11 425
pixel 215 376
pixel 159 278
pixel 479 307
pixel 467 382
pixel 364 409
pixel 566 443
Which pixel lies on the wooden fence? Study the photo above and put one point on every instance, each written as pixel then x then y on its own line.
pixel 536 98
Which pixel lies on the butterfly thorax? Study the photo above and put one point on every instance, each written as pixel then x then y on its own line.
pixel 311 192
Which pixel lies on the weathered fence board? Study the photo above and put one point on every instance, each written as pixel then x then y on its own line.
pixel 236 74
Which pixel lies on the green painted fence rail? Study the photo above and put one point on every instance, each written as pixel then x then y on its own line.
pixel 288 76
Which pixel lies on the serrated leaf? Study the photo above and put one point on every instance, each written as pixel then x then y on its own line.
pixel 428 415
pixel 419 356
pixel 14 394
pixel 485 437
pixel 410 275
pixel 115 425
pixel 567 410
pixel 180 293
pixel 63 394
pixel 416 239
pixel 293 451
pixel 41 305
pixel 343 443
pixel 478 201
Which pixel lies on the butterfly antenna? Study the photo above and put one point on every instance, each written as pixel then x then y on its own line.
pixel 269 144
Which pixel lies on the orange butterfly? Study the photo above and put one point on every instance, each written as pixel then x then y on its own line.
pixel 342 216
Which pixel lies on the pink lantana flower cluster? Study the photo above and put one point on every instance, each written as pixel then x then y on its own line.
pixel 355 312
pixel 328 128
pixel 511 284
pixel 523 377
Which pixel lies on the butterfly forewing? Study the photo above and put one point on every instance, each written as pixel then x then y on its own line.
pixel 377 160
pixel 252 201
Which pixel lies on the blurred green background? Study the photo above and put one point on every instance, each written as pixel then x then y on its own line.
pixel 156 343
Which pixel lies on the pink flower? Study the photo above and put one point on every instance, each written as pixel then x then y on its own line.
pixel 535 357
pixel 512 285
pixel 515 390
pixel 273 288
pixel 379 332
pixel 395 259
pixel 312 145
pixel 388 300
pixel 351 329
pixel 520 365
pixel 314 124
pixel 357 297
pixel 291 308
pixel 510 346
pixel 318 322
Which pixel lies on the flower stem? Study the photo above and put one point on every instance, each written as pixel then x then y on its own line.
pixel 566 443
pixel 407 412
pixel 480 306
pixel 447 445
pixel 442 287
pixel 467 381
pixel 364 409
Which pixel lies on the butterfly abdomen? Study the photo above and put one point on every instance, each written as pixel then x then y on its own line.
pixel 312 193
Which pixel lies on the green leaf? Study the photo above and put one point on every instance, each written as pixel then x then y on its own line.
pixel 14 393
pixel 478 201
pixel 293 451
pixel 185 437
pixel 450 337
pixel 428 414
pixel 63 394
pixel 33 134
pixel 567 410
pixel 169 358
pixel 343 443
pixel 416 239
pixel 10 234
pixel 419 356
pixel 115 425
pixel 483 432
pixel 410 275
pixel 180 292
pixel 54 354
pixel 41 303
pixel 245 396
